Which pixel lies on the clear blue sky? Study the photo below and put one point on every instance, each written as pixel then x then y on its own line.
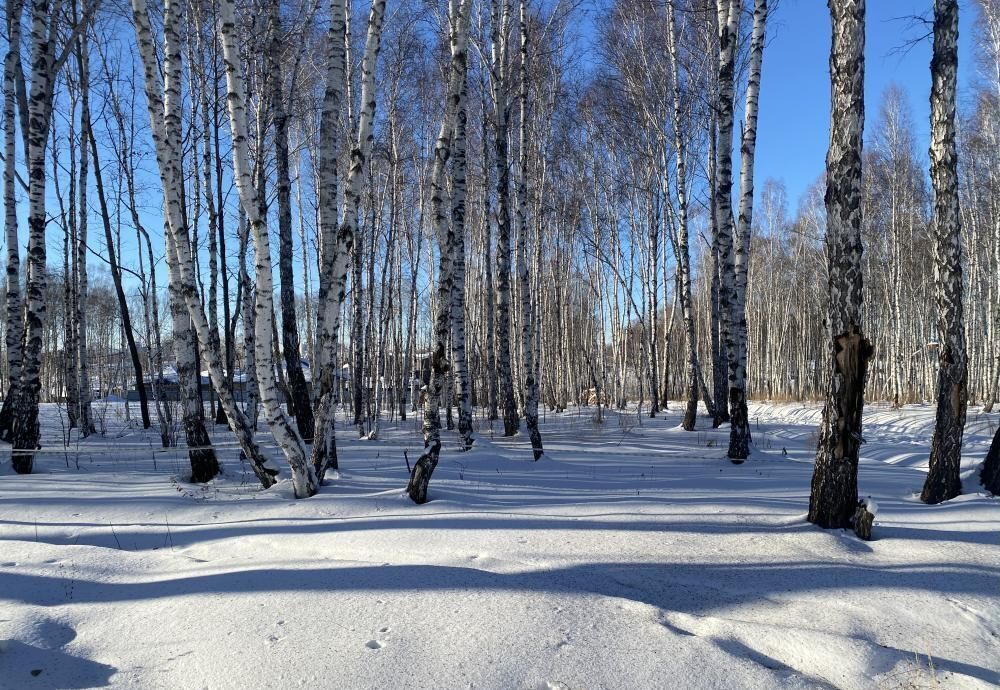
pixel 794 122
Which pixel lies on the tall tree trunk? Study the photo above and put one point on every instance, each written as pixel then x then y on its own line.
pixel 85 416
pixel 420 476
pixel 834 494
pixel 303 475
pixel 14 315
pixel 528 304
pixel 163 102
pixel 457 303
pixel 681 248
pixel 501 103
pixel 739 429
pixel 299 391
pixel 943 481
pixel 337 244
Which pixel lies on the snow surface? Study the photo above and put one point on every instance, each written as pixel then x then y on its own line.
pixel 633 555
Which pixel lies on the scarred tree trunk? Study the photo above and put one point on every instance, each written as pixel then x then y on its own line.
pixel 834 495
pixel 739 429
pixel 943 481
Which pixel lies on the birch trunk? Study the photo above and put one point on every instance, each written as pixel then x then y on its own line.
pixel 299 392
pixel 420 476
pixel 528 305
pixel 501 103
pixel 739 429
pixel 943 481
pixel 457 302
pixel 165 125
pixel 24 422
pixel 303 475
pixel 84 415
pixel 681 248
pixel 337 245
pixel 15 317
pixel 729 16
pixel 834 495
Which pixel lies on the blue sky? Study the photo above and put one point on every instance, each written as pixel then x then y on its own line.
pixel 795 91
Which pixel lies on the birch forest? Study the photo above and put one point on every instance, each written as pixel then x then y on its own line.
pixel 314 219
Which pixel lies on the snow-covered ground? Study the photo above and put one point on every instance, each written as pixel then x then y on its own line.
pixel 632 556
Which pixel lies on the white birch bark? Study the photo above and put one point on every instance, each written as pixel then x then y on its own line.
pixel 303 476
pixel 337 248
pixel 460 11
pixel 528 306
pixel 163 102
pixel 739 430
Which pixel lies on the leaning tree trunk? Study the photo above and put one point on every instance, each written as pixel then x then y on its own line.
pixel 116 277
pixel 420 476
pixel 943 481
pixel 528 305
pixel 739 429
pixel 163 101
pixel 834 494
pixel 303 475
pixel 299 391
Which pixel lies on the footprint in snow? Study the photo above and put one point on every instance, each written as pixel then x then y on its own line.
pixel 374 644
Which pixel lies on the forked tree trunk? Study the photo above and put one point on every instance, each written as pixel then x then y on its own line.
pixel 943 481
pixel 303 476
pixel 834 496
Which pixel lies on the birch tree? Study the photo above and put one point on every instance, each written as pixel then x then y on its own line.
pixel 739 430
pixel 834 494
pixel 729 23
pixel 163 103
pixel 528 303
pixel 943 481
pixel 458 38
